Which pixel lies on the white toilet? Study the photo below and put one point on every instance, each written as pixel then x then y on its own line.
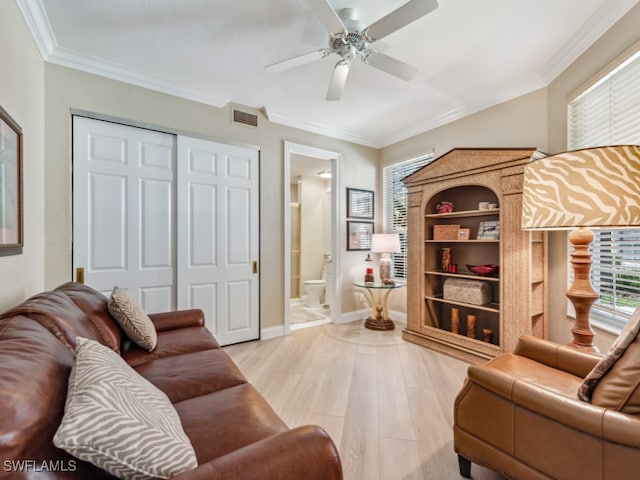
pixel 315 288
pixel 315 291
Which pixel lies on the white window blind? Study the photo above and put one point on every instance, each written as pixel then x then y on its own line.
pixel 394 196
pixel 608 113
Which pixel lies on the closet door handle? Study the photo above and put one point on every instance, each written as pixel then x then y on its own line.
pixel 80 274
pixel 255 266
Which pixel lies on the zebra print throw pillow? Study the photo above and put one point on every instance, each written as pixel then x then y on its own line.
pixel 117 420
pixel 132 318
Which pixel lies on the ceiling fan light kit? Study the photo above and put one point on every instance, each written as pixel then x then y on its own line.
pixel 350 38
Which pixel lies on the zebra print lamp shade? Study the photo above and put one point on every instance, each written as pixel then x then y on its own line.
pixel 595 187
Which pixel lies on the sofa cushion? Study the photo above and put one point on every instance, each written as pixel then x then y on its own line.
pixel 170 343
pixel 234 417
pixel 192 374
pixel 615 380
pixel 132 318
pixel 118 421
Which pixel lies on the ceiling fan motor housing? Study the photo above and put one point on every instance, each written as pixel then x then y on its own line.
pixel 348 44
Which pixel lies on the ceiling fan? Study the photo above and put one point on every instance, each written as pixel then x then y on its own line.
pixel 350 38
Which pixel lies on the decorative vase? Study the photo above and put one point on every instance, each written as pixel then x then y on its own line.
pixel 368 277
pixel 487 332
pixel 455 320
pixel 471 326
pixel 447 256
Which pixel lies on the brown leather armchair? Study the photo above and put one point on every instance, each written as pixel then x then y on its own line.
pixel 519 414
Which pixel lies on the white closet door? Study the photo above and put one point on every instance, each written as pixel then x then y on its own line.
pixel 218 188
pixel 124 210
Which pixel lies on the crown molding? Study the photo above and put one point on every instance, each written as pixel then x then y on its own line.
pixel 601 21
pixel 113 71
pixel 322 130
pixel 37 21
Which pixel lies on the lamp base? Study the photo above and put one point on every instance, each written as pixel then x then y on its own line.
pixel 581 293
pixel 385 267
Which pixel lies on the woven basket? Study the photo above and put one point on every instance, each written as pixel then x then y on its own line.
pixel 445 232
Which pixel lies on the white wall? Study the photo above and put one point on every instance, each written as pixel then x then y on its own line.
pixel 22 96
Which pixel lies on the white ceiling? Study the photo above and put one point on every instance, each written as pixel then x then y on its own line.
pixel 471 54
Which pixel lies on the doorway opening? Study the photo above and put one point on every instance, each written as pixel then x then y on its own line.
pixel 311 259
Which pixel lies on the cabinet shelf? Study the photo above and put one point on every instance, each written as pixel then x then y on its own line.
pixel 489 307
pixel 462 241
pixel 466 213
pixel 462 274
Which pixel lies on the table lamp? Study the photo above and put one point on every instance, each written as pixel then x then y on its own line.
pixel 385 243
pixel 595 187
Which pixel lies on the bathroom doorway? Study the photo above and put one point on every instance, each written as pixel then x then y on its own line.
pixel 311 202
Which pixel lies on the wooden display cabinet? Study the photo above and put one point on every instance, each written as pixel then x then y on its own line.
pixel 517 303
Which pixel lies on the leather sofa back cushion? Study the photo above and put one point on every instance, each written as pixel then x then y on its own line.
pixel 94 304
pixel 61 316
pixel 619 385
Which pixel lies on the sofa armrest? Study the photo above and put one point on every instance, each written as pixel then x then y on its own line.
pixel 554 355
pixel 304 452
pixel 177 319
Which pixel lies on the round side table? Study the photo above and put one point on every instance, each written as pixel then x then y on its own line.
pixel 378 294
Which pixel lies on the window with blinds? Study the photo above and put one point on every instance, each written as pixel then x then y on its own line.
pixel 394 203
pixel 608 113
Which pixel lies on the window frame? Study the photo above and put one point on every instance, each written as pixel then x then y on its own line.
pixel 393 193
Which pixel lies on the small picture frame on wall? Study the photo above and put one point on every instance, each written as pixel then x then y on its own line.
pixel 360 203
pixel 359 235
pixel 11 230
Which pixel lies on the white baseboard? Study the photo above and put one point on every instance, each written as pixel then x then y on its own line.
pixel 272 332
pixel 400 317
pixel 353 316
pixel 278 331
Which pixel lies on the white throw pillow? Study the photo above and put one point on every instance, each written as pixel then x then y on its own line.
pixel 132 318
pixel 117 420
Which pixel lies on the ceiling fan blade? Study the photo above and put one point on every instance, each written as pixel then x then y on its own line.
pixel 327 15
pixel 297 61
pixel 338 79
pixel 390 65
pixel 400 17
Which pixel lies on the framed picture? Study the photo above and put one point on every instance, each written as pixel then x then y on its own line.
pixel 11 240
pixel 359 235
pixel 489 230
pixel 463 233
pixel 360 203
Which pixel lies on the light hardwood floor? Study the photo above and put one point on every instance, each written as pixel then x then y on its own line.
pixel 387 404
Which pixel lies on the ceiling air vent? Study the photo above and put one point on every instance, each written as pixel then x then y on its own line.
pixel 245 118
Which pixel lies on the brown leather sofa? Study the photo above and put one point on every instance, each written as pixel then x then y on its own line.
pixel 233 430
pixel 519 414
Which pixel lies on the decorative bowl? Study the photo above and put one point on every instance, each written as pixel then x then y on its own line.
pixel 484 270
